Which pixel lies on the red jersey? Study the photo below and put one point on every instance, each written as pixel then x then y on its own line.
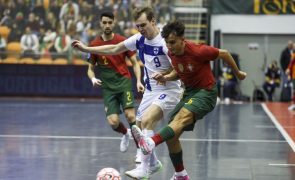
pixel 193 66
pixel 116 62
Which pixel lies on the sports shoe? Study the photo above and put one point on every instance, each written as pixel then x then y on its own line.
pixel 155 168
pixel 146 144
pixel 125 141
pixel 138 156
pixel 174 177
pixel 138 173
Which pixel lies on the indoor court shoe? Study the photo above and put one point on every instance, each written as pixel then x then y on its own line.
pixel 174 177
pixel 146 144
pixel 125 141
pixel 155 168
pixel 138 173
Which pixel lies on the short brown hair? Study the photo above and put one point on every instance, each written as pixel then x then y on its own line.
pixel 147 10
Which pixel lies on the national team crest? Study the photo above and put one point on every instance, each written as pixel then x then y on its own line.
pixel 180 67
pixel 156 50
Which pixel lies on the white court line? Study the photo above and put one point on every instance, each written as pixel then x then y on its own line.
pixel 283 165
pixel 278 125
pixel 119 138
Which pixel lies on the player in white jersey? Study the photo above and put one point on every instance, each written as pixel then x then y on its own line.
pixel 158 99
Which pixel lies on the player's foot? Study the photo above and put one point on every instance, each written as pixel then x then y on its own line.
pixel 138 173
pixel 125 141
pixel 292 107
pixel 138 156
pixel 146 144
pixel 155 168
pixel 175 177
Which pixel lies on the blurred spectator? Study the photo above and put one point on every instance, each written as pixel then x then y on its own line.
pixel 62 44
pixel 39 10
pixel 161 22
pixel 68 14
pixel 19 20
pixel 3 44
pixel 23 7
pixel 15 33
pixel 229 84
pixel 47 48
pixel 6 19
pixel 54 8
pixel 286 55
pixel 290 71
pixel 30 44
pixel 272 79
pixel 33 23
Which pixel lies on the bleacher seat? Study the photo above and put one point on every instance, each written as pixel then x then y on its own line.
pixel 79 62
pixel 44 61
pixel 60 61
pixel 4 31
pixel 13 49
pixel 10 60
pixel 27 60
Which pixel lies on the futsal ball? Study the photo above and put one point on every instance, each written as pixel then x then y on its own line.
pixel 108 174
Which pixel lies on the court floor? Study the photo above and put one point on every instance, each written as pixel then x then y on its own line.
pixel 69 139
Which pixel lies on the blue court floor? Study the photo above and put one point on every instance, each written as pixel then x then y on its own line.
pixel 69 139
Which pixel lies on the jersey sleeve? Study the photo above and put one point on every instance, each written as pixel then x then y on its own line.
pixel 208 53
pixel 130 43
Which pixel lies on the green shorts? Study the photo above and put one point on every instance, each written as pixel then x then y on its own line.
pixel 113 101
pixel 198 101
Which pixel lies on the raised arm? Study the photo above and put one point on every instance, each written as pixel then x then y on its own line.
pixel 228 59
pixel 102 50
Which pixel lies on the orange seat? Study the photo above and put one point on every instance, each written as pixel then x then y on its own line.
pixel 60 61
pixel 4 31
pixel 13 49
pixel 45 61
pixel 10 60
pixel 27 60
pixel 79 62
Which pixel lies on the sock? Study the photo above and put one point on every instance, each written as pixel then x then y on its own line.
pixel 121 128
pixel 177 161
pixel 136 143
pixel 181 173
pixel 153 159
pixel 164 134
pixel 145 159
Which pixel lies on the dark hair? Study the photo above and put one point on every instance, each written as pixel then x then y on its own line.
pixel 107 14
pixel 147 10
pixel 175 27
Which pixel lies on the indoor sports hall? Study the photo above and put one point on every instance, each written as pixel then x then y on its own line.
pixel 53 122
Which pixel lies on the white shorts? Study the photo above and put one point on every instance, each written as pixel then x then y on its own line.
pixel 166 100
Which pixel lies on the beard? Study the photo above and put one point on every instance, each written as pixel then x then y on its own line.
pixel 108 31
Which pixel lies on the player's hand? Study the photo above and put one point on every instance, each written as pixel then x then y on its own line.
pixel 241 75
pixel 160 78
pixel 140 87
pixel 79 46
pixel 96 82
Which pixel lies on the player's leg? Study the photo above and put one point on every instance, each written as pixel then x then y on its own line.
pixel 176 156
pixel 112 109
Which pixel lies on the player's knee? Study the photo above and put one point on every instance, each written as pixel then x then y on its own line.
pixel 113 122
pixel 130 117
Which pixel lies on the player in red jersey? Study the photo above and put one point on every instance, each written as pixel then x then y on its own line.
pixel 115 79
pixel 191 63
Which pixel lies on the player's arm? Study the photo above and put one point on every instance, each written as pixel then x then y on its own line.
pixel 90 72
pixel 227 58
pixel 102 50
pixel 171 76
pixel 137 72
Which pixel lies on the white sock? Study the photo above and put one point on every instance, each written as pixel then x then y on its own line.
pixel 145 159
pixel 181 173
pixel 154 158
